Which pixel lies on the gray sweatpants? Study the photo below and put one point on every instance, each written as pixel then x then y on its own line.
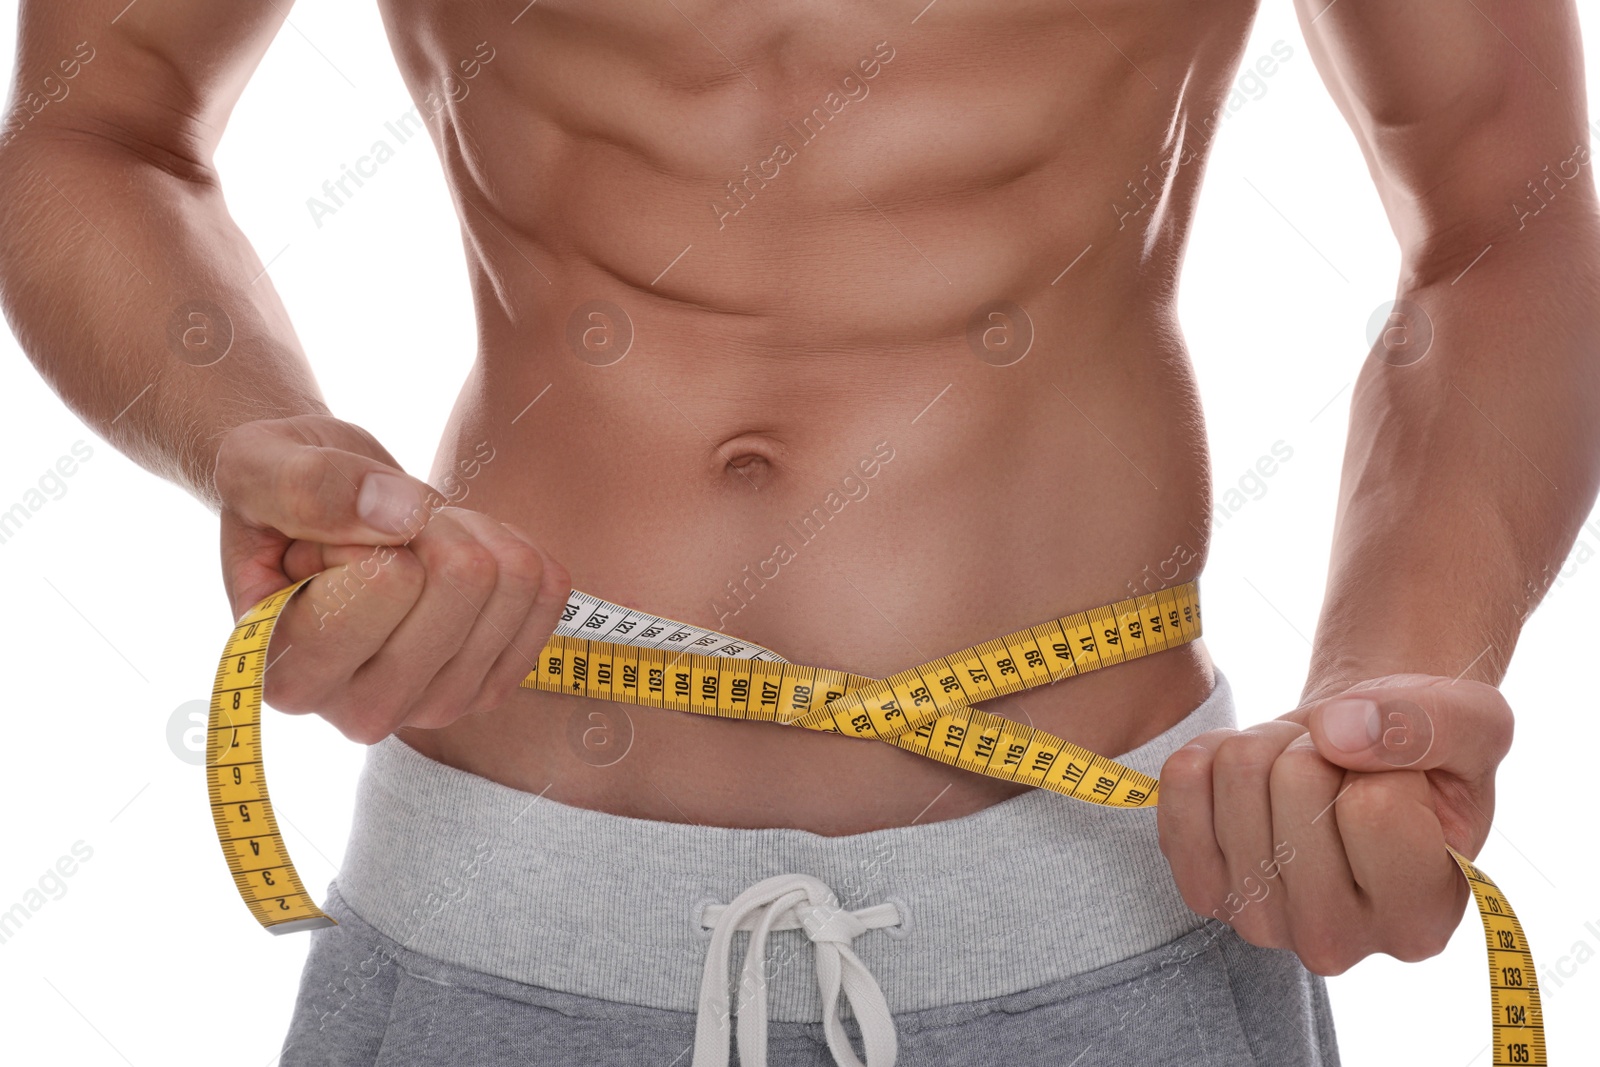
pixel 482 925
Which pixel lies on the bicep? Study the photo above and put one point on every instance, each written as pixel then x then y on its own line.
pixel 1456 104
pixel 160 77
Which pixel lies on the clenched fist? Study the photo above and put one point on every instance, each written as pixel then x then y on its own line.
pixel 427 612
pixel 1324 831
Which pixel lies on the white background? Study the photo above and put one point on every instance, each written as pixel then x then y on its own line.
pixel 149 958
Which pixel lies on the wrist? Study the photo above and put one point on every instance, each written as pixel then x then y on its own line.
pixel 317 429
pixel 1333 673
pixel 327 431
pixel 1428 624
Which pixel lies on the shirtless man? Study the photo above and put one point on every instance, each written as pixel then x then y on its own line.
pixel 819 234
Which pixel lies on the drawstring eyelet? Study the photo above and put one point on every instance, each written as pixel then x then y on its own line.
pixel 902 929
pixel 697 912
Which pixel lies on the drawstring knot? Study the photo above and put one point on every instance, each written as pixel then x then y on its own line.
pixel 790 902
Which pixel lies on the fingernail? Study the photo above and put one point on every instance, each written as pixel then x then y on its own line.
pixel 388 503
pixel 553 578
pixel 1350 724
pixel 520 536
pixel 554 582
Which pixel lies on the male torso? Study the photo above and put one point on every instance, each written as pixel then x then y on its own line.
pixel 793 225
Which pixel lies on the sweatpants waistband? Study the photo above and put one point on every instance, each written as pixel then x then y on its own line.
pixel 1030 890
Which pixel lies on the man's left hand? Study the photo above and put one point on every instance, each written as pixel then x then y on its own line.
pixel 1324 831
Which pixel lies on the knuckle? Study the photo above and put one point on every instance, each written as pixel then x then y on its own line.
pixel 375 711
pixel 331 591
pixel 357 730
pixel 520 568
pixel 1185 768
pixel 392 571
pixel 369 725
pixel 1415 946
pixel 282 693
pixel 1370 801
pixel 1324 965
pixel 1247 753
pixel 1253 930
pixel 1417 938
pixel 468 567
pixel 401 572
pixel 1437 940
pixel 1302 764
pixel 291 691
pixel 296 697
pixel 1324 952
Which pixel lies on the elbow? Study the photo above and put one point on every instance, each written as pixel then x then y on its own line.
pixel 102 141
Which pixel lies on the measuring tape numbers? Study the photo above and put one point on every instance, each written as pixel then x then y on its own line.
pixel 237 780
pixel 604 651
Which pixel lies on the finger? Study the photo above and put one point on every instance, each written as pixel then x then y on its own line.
pixel 1241 778
pixel 336 622
pixel 1328 917
pixel 1185 830
pixel 1396 850
pixel 520 658
pixel 270 477
pixel 1459 726
pixel 456 688
pixel 458 578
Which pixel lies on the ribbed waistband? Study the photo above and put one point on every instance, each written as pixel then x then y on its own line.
pixel 1031 890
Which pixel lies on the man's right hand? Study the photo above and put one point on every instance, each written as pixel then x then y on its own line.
pixel 427 613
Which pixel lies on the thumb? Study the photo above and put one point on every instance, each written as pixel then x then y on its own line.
pixel 1417 722
pixel 319 493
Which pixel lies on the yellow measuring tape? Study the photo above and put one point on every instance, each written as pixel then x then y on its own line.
pixel 927 710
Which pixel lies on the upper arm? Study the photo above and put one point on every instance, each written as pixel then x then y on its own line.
pixel 160 78
pixel 1458 106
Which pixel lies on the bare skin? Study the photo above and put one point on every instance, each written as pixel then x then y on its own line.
pixel 1047 156
pixel 800 329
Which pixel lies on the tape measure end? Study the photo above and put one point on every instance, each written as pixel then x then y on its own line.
pixel 295 926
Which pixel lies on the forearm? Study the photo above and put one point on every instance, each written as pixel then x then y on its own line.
pixel 103 255
pixel 1468 473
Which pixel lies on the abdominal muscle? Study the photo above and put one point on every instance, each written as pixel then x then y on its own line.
pixel 865 511
pixel 863 427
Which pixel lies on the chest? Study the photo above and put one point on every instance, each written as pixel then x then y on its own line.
pixel 780 52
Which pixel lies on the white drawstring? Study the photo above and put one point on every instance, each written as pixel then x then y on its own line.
pixel 789 902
